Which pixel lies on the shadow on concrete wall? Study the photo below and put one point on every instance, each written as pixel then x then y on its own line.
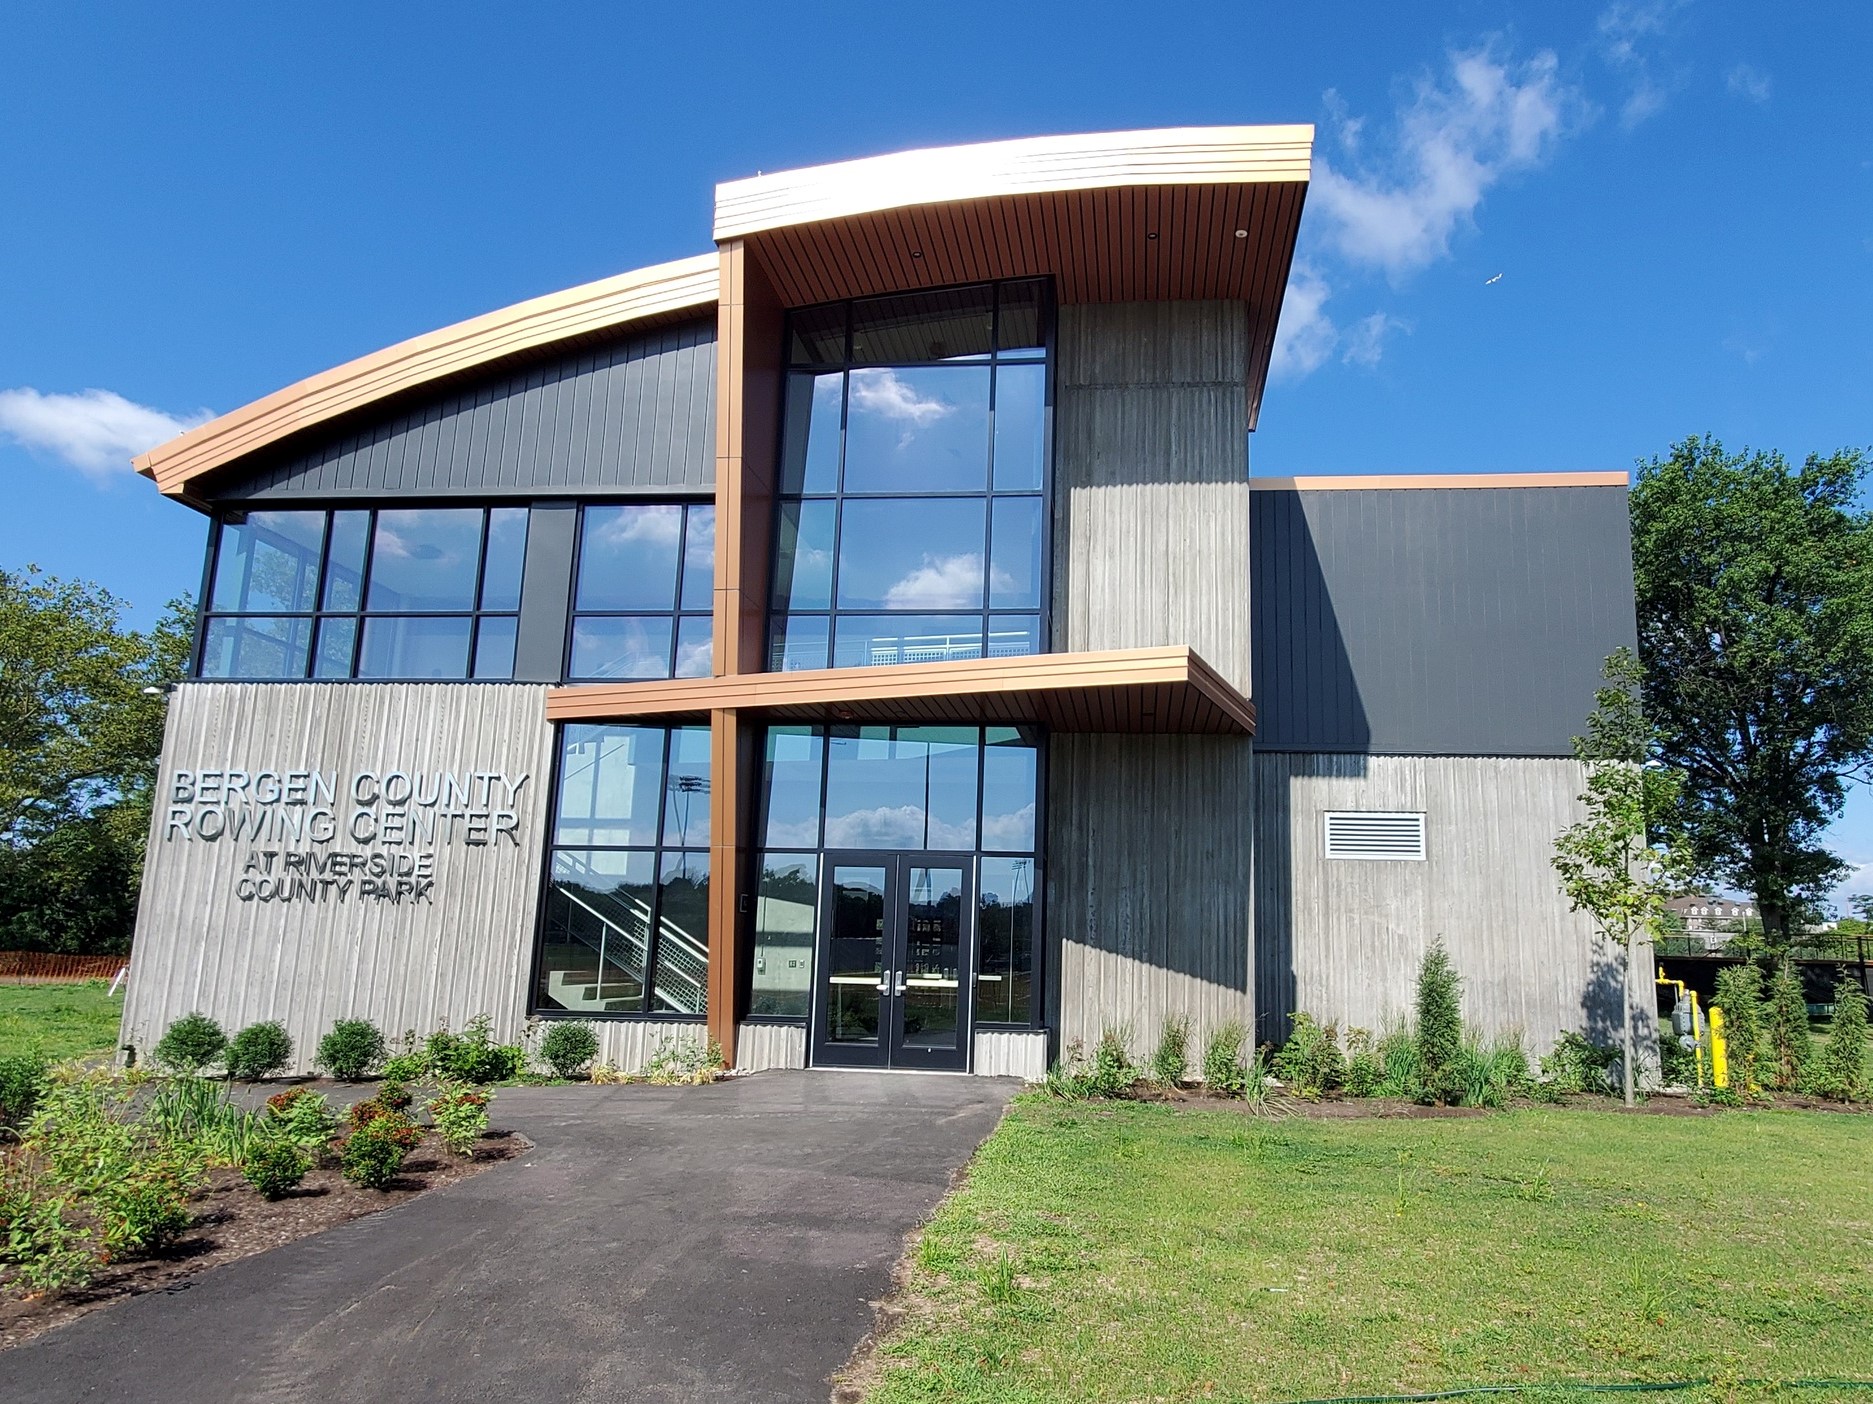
pixel 1307 701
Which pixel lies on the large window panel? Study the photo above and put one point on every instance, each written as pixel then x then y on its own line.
pixel 813 423
pixel 786 916
pixel 628 558
pixel 625 928
pixel 803 555
pixel 1005 941
pixel 268 563
pixel 644 593
pixel 610 785
pixel 912 554
pixel 917 430
pixel 890 640
pixel 399 593
pixel 425 560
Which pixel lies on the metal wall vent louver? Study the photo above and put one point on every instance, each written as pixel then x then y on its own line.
pixel 1371 834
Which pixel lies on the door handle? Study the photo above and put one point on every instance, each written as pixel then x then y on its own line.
pixel 884 983
pixel 900 983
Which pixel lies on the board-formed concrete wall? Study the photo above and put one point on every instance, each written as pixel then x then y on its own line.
pixel 328 850
pixel 1149 839
pixel 1342 939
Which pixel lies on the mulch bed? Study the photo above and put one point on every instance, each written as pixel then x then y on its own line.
pixel 233 1221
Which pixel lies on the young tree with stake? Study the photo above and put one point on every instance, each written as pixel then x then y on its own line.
pixel 1615 864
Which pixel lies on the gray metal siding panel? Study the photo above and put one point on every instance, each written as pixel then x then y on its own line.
pixel 1342 940
pixel 1436 621
pixel 635 416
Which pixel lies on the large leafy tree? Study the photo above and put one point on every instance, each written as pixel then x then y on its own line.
pixel 79 739
pixel 1755 595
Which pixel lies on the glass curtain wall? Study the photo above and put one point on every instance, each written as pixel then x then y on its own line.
pixel 968 790
pixel 416 593
pixel 625 928
pixel 913 517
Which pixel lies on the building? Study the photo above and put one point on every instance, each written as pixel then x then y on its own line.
pixel 864 644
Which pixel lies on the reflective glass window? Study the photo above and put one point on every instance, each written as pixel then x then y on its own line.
pixel 628 557
pixel 912 554
pixel 644 592
pixel 896 461
pixel 425 560
pixel 922 429
pixel 404 594
pixel 1005 941
pixel 507 556
pixel 269 563
pixel 625 925
pixel 965 790
pixel 812 422
pixel 415 646
pixel 803 555
pixel 786 916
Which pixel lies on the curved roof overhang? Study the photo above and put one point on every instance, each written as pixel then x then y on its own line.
pixel 1175 214
pixel 647 296
pixel 1181 213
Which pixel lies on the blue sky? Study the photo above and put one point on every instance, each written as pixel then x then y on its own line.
pixel 1541 236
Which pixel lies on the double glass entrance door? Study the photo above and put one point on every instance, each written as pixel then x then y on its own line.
pixel 894 961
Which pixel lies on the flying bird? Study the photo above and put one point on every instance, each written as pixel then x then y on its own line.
pixel 1496 279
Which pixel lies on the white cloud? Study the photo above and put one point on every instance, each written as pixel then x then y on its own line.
pixel 1629 29
pixel 1363 343
pixel 1308 337
pixel 642 526
pixel 881 392
pixel 1455 139
pixel 940 582
pixel 1748 82
pixel 97 432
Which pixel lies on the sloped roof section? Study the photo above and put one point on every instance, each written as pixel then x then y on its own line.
pixel 664 291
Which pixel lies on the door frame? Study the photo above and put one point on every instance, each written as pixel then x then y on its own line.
pixel 890 1052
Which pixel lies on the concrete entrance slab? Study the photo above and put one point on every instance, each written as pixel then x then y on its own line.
pixel 715 1243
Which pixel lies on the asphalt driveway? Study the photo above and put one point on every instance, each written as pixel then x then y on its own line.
pixel 715 1243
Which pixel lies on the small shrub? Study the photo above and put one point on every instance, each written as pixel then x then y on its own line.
pixel 305 1118
pixel 191 1043
pixel 1171 1058
pixel 275 1166
pixel 1841 1070
pixel 1489 1076
pixel 351 1049
pixel 373 1154
pixel 1112 1073
pixel 461 1117
pixel 1575 1064
pixel 259 1050
pixel 607 1075
pixel 23 1077
pixel 405 1067
pixel 1310 1063
pixel 473 1055
pixel 1364 1072
pixel 197 1112
pixel 1222 1061
pixel 145 1207
pixel 49 1251
pixel 393 1094
pixel 1401 1070
pixel 568 1048
pixel 684 1064
pixel 1790 1047
pixel 1739 995
pixel 1440 1026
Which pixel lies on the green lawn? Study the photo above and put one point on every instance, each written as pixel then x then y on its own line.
pixel 62 1021
pixel 1120 1251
